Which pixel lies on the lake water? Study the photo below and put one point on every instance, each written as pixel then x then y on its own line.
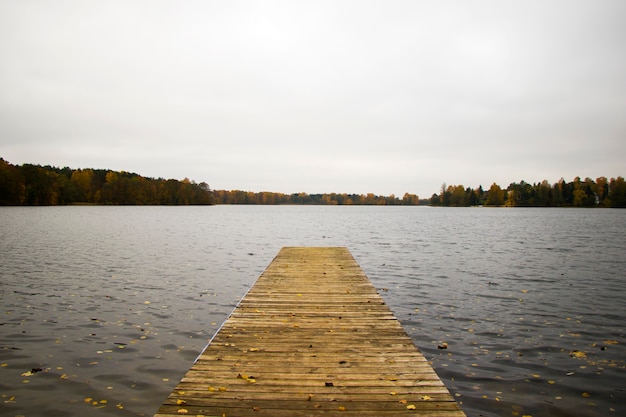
pixel 105 308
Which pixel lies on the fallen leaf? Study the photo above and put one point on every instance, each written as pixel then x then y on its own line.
pixel 425 397
pixel 411 407
pixel 578 354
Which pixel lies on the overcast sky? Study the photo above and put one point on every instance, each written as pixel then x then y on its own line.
pixel 317 96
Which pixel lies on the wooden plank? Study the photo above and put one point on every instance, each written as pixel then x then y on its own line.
pixel 312 337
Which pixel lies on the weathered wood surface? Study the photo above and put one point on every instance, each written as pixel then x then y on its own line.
pixel 312 337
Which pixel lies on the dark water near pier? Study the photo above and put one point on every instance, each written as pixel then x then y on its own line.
pixel 103 309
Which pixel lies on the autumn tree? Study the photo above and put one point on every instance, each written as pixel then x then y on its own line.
pixel 617 192
pixel 410 199
pixel 495 196
pixel 12 186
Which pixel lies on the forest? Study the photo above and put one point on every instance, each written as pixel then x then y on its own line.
pixel 265 197
pixel 35 185
pixel 578 193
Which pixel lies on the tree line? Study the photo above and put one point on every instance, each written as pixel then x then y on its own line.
pixel 270 198
pixel 36 185
pixel 602 192
pixel 30 184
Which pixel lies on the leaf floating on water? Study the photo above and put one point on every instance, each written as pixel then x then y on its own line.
pixel 610 342
pixel 32 372
pixel 586 394
pixel 578 354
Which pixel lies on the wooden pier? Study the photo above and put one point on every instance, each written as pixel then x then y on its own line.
pixel 312 337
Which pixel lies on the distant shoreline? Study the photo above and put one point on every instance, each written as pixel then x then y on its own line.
pixel 36 185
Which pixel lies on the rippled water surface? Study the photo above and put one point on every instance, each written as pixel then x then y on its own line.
pixel 105 308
